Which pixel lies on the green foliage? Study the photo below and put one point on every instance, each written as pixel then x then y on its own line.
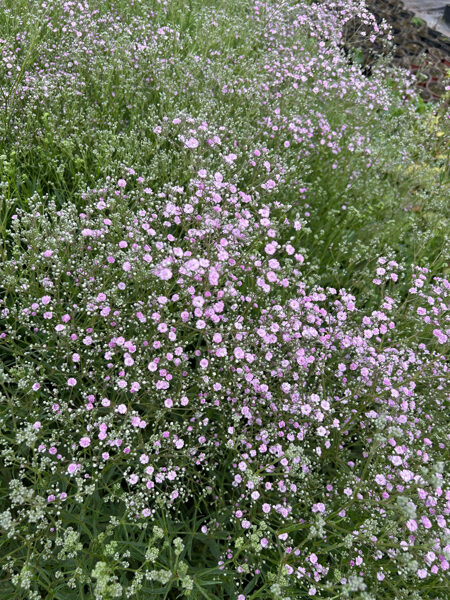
pixel 93 91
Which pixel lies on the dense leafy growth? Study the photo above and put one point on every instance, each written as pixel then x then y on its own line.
pixel 222 305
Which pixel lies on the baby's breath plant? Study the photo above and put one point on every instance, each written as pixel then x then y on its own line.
pixel 223 306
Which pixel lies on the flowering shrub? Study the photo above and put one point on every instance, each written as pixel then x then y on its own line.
pixel 266 87
pixel 179 350
pixel 193 407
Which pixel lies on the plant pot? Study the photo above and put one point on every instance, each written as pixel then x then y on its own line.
pixel 413 48
pixel 426 95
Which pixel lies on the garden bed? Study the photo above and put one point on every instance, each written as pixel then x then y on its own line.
pixel 222 306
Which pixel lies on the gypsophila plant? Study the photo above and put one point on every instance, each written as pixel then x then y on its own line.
pixel 223 306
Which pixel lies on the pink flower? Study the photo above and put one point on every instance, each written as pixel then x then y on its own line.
pixel 269 185
pixel 165 274
pixel 71 382
pixel 426 522
pixel 85 442
pixel 135 387
pixel 198 301
pixel 422 573
pixel 121 183
pixel 406 475
pixel 230 158
pixel 191 143
pixel 442 338
pixel 411 524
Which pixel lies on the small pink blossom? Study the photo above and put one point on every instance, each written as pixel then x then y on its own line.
pixel 191 143
pixel 411 524
pixel 165 274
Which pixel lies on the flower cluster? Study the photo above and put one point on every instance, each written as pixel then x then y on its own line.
pixel 222 376
pixel 179 343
